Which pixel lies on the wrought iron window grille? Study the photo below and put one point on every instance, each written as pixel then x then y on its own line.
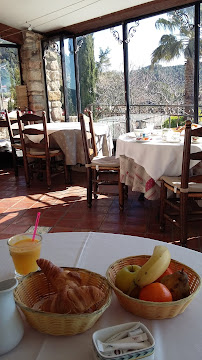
pixel 51 46
pixel 131 33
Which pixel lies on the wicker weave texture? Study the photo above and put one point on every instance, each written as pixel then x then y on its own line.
pixel 35 286
pixel 149 309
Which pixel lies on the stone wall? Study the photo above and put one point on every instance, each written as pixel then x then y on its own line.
pixel 54 82
pixel 32 71
pixel 33 76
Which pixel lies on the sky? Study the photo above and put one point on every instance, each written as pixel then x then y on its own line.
pixel 141 45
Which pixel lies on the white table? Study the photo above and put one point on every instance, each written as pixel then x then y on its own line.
pixel 67 136
pixel 143 163
pixel 177 339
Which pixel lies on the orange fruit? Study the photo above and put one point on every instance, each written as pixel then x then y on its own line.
pixel 156 292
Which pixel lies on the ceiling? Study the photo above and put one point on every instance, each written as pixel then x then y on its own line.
pixel 48 15
pixel 73 16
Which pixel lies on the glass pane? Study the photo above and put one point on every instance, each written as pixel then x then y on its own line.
pixel 162 71
pixel 53 71
pixel 9 77
pixel 87 70
pixel 200 72
pixel 70 83
pixel 2 41
pixel 100 58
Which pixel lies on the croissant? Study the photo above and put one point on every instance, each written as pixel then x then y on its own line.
pixel 57 276
pixel 76 300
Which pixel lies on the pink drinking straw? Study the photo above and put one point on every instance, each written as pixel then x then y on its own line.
pixel 36 225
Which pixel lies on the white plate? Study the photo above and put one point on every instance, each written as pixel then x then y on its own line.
pixel 173 141
pixel 142 140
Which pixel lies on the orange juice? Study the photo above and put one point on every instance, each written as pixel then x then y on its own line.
pixel 25 252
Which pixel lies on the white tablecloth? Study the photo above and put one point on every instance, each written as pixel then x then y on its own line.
pixel 142 164
pixel 67 136
pixel 177 339
pixel 155 156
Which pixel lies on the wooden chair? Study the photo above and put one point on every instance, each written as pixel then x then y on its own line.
pixel 35 155
pixel 182 208
pixel 12 126
pixel 98 168
pixel 14 136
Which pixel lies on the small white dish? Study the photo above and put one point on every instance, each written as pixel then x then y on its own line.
pixel 140 132
pixel 195 140
pixel 105 333
pixel 156 132
pixel 131 135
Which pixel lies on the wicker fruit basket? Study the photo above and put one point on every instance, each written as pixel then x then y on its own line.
pixel 149 309
pixel 35 286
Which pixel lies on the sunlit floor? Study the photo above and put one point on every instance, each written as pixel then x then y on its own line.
pixel 65 209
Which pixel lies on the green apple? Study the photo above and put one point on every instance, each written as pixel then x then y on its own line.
pixel 125 277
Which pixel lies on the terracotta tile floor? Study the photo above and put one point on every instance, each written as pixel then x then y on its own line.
pixel 65 209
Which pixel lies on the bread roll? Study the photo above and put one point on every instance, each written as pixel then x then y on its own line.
pixel 76 300
pixel 57 276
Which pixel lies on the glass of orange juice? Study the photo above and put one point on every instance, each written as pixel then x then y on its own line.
pixel 25 252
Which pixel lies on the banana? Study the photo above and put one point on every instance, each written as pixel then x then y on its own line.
pixel 154 267
pixel 134 290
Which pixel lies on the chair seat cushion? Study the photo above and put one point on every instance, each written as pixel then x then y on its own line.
pixel 105 161
pixel 16 140
pixel 40 152
pixel 176 182
pixel 17 146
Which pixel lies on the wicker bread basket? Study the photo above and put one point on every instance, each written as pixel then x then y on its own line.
pixel 35 286
pixel 149 309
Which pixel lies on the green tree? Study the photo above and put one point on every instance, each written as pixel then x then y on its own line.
pixel 104 61
pixel 175 44
pixel 87 71
pixel 11 75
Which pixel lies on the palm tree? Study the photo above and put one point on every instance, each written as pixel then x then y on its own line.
pixel 174 45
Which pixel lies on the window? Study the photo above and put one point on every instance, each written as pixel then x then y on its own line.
pixel 200 74
pixel 161 54
pixel 161 63
pixel 9 75
pixel 69 80
pixel 101 77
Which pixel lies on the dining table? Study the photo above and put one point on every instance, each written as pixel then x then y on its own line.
pixel 67 137
pixel 175 338
pixel 143 162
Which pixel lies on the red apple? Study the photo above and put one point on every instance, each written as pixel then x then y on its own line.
pixel 167 272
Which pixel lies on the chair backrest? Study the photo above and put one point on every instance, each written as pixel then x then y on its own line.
pixel 187 154
pixel 12 124
pixel 27 144
pixel 88 136
pixel 29 118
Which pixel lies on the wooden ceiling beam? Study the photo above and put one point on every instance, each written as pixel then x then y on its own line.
pixel 122 15
pixel 11 34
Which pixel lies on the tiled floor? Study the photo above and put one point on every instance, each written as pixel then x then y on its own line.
pixel 65 209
